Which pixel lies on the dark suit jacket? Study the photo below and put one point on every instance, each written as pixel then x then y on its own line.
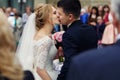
pixel 101 64
pixel 78 38
pixel 28 75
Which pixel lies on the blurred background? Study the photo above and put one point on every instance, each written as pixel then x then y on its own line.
pixel 21 4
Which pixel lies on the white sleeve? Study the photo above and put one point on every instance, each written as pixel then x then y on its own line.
pixel 42 53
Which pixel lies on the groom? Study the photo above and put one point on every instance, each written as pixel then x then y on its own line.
pixel 79 37
pixel 101 64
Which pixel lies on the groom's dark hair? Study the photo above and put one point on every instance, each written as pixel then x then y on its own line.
pixel 70 7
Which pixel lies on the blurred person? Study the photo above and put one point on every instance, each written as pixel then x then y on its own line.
pixel 93 16
pixel 36 49
pixel 100 27
pixel 8 10
pixel 25 15
pixel 78 37
pixel 89 8
pixel 100 64
pixel 106 11
pixel 110 32
pixel 17 29
pixel 100 10
pixel 9 68
pixel 84 16
pixel 14 10
pixel 16 24
pixel 11 17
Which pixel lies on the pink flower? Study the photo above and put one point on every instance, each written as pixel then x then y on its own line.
pixel 58 36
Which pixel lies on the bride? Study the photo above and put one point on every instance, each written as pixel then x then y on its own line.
pixel 36 49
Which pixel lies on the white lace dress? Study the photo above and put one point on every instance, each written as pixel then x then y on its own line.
pixel 44 52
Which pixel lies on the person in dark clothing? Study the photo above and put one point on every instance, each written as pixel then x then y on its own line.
pixel 78 37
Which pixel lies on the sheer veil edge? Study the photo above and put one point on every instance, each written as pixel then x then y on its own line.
pixel 24 51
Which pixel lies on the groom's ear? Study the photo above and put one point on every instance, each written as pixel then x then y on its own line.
pixel 71 17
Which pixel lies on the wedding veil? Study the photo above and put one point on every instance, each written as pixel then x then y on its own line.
pixel 24 51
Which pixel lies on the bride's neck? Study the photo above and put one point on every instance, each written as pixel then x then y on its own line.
pixel 47 29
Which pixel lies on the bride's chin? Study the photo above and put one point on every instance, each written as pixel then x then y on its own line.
pixel 58 22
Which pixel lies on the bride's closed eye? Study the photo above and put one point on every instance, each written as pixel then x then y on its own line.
pixel 54 12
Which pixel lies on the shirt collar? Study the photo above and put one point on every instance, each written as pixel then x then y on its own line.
pixel 69 25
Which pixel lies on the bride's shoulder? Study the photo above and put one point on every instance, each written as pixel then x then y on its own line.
pixel 42 39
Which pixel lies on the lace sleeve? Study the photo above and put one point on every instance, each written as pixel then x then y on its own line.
pixel 42 50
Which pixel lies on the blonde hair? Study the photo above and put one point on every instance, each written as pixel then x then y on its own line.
pixel 8 67
pixel 43 12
